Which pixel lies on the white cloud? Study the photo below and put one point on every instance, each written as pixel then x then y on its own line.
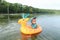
pixel 45 4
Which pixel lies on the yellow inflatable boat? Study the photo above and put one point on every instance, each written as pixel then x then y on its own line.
pixel 26 29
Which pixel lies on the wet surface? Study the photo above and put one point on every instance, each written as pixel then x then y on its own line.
pixel 49 24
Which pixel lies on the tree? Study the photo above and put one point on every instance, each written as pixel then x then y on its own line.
pixel 6 7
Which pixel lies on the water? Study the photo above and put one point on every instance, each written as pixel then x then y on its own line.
pixel 49 23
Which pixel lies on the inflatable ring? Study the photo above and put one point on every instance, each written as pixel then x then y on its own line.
pixel 26 29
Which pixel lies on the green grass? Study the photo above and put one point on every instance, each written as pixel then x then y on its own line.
pixel 12 16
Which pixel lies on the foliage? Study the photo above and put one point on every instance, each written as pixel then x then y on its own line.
pixel 19 8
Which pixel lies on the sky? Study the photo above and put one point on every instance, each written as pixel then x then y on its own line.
pixel 42 4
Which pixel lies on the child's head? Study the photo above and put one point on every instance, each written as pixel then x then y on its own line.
pixel 33 21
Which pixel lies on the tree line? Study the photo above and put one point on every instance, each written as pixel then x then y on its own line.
pixel 19 8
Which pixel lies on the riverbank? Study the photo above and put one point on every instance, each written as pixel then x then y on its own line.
pixel 17 16
pixel 12 16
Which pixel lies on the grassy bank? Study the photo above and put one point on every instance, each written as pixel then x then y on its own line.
pixel 12 16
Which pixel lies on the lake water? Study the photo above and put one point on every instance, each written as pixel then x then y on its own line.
pixel 49 23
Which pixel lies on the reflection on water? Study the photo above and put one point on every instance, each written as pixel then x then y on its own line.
pixel 10 32
pixel 50 25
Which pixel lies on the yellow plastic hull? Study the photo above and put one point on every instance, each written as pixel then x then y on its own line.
pixel 29 30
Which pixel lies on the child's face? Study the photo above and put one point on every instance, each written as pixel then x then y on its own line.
pixel 34 21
